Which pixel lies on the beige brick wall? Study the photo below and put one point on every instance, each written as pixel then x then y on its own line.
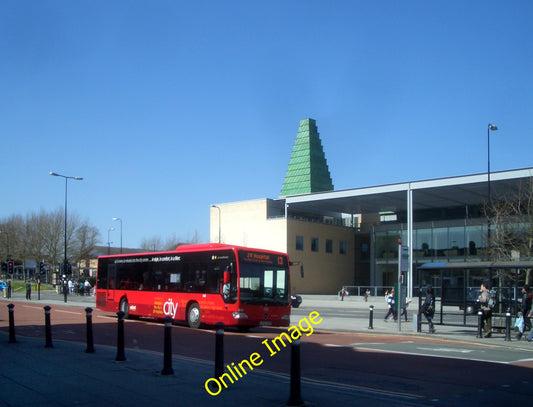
pixel 246 224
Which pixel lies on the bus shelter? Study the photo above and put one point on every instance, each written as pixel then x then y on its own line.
pixel 457 287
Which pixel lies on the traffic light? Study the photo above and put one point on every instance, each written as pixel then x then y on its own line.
pixel 69 269
pixel 42 267
pixel 10 266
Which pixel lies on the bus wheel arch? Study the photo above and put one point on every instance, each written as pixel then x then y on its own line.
pixel 194 315
pixel 124 306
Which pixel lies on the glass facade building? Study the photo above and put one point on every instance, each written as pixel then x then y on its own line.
pixel 453 240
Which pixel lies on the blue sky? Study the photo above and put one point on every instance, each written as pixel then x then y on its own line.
pixel 168 107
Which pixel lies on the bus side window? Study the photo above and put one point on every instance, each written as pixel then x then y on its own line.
pixel 213 279
pixel 111 276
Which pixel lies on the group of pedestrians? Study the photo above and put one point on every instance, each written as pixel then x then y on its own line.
pixel 79 287
pixel 486 305
pixel 392 312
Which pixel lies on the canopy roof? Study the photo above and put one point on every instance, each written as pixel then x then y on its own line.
pixel 436 193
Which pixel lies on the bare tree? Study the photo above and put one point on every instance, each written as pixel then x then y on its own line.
pixel 40 236
pixel 53 231
pixel 83 242
pixel 511 218
pixel 152 244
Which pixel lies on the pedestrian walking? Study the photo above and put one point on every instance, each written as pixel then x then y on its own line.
pixel 428 309
pixel 389 298
pixel 28 289
pixel 526 308
pixel 87 288
pixel 486 309
pixel 404 308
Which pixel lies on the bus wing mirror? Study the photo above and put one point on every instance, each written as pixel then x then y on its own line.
pixel 226 277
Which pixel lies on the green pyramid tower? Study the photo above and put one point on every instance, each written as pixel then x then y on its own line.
pixel 308 169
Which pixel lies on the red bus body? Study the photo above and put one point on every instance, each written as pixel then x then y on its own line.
pixel 198 284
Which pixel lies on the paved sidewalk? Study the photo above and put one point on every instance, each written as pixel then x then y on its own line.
pixel 32 375
pixel 453 332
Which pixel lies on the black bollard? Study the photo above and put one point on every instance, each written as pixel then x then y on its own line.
pixel 219 350
pixel 120 337
pixel 47 327
pixel 371 318
pixel 508 326
pixel 479 324
pixel 295 398
pixel 167 358
pixel 11 323
pixel 90 342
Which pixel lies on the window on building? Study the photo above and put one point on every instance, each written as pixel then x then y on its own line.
pixel 329 246
pixel 314 244
pixel 342 247
pixel 299 242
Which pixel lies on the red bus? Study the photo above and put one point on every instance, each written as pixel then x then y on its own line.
pixel 198 284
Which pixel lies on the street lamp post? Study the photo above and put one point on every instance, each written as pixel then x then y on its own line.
pixel 109 241
pixel 218 207
pixel 119 219
pixel 490 127
pixel 65 260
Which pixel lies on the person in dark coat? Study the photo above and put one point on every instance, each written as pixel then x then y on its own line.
pixel 28 290
pixel 428 309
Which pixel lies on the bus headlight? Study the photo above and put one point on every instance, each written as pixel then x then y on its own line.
pixel 286 317
pixel 240 315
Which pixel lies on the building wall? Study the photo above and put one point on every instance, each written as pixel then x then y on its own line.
pixel 323 273
pixel 246 224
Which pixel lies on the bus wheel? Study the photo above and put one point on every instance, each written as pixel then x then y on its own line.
pixel 124 307
pixel 193 315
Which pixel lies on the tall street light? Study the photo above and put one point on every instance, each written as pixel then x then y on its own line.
pixel 120 233
pixel 490 127
pixel 109 240
pixel 65 261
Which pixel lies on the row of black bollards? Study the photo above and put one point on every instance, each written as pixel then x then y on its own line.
pixel 121 356
pixel 295 398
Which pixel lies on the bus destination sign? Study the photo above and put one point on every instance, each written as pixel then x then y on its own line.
pixel 262 258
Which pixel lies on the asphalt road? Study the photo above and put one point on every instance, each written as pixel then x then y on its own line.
pixel 415 370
